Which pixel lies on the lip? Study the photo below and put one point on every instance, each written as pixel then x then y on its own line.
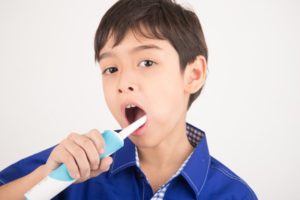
pixel 123 108
pixel 141 129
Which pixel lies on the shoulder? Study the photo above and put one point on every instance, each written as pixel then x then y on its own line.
pixel 222 183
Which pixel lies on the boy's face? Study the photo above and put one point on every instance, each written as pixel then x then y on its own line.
pixel 144 72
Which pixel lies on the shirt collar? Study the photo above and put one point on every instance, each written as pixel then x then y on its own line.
pixel 195 171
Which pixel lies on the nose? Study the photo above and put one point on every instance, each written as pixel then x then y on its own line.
pixel 128 89
pixel 127 82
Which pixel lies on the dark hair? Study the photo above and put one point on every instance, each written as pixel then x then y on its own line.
pixel 161 19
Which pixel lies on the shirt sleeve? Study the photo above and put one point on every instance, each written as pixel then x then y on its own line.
pixel 24 166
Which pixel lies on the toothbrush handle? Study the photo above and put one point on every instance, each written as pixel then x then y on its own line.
pixel 59 179
pixel 112 144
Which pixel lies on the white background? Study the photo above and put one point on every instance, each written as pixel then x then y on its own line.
pixel 50 84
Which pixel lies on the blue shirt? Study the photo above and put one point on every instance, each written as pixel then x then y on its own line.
pixel 194 136
pixel 202 177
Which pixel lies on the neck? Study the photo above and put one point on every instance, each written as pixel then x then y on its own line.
pixel 170 152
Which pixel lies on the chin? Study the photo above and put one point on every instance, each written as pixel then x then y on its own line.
pixel 144 142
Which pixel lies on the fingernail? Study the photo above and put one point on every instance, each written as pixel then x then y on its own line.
pixel 77 176
pixel 101 151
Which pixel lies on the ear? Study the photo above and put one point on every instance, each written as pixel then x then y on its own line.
pixel 195 74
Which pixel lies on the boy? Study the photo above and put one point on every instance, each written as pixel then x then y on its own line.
pixel 152 55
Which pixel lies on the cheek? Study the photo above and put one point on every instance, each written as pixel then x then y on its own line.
pixel 109 94
pixel 166 96
pixel 106 92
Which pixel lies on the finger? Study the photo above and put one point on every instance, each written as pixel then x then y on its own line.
pixel 90 149
pixel 104 166
pixel 54 159
pixel 70 163
pixel 96 137
pixel 105 163
pixel 80 157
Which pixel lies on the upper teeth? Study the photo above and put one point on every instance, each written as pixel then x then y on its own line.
pixel 130 106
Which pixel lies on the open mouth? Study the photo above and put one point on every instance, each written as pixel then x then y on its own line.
pixel 133 113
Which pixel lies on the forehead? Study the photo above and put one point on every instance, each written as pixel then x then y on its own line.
pixel 134 40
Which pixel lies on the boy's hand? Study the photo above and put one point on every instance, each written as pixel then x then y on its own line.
pixel 80 154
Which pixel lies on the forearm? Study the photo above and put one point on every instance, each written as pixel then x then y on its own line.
pixel 16 189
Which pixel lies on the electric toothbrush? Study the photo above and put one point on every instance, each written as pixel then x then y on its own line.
pixel 59 179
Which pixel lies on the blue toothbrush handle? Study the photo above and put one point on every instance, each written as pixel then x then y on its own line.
pixel 112 143
pixel 59 179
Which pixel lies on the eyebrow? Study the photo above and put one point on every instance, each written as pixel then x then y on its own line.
pixel 134 50
pixel 143 47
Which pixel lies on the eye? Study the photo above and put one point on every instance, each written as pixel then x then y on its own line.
pixel 110 70
pixel 146 63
